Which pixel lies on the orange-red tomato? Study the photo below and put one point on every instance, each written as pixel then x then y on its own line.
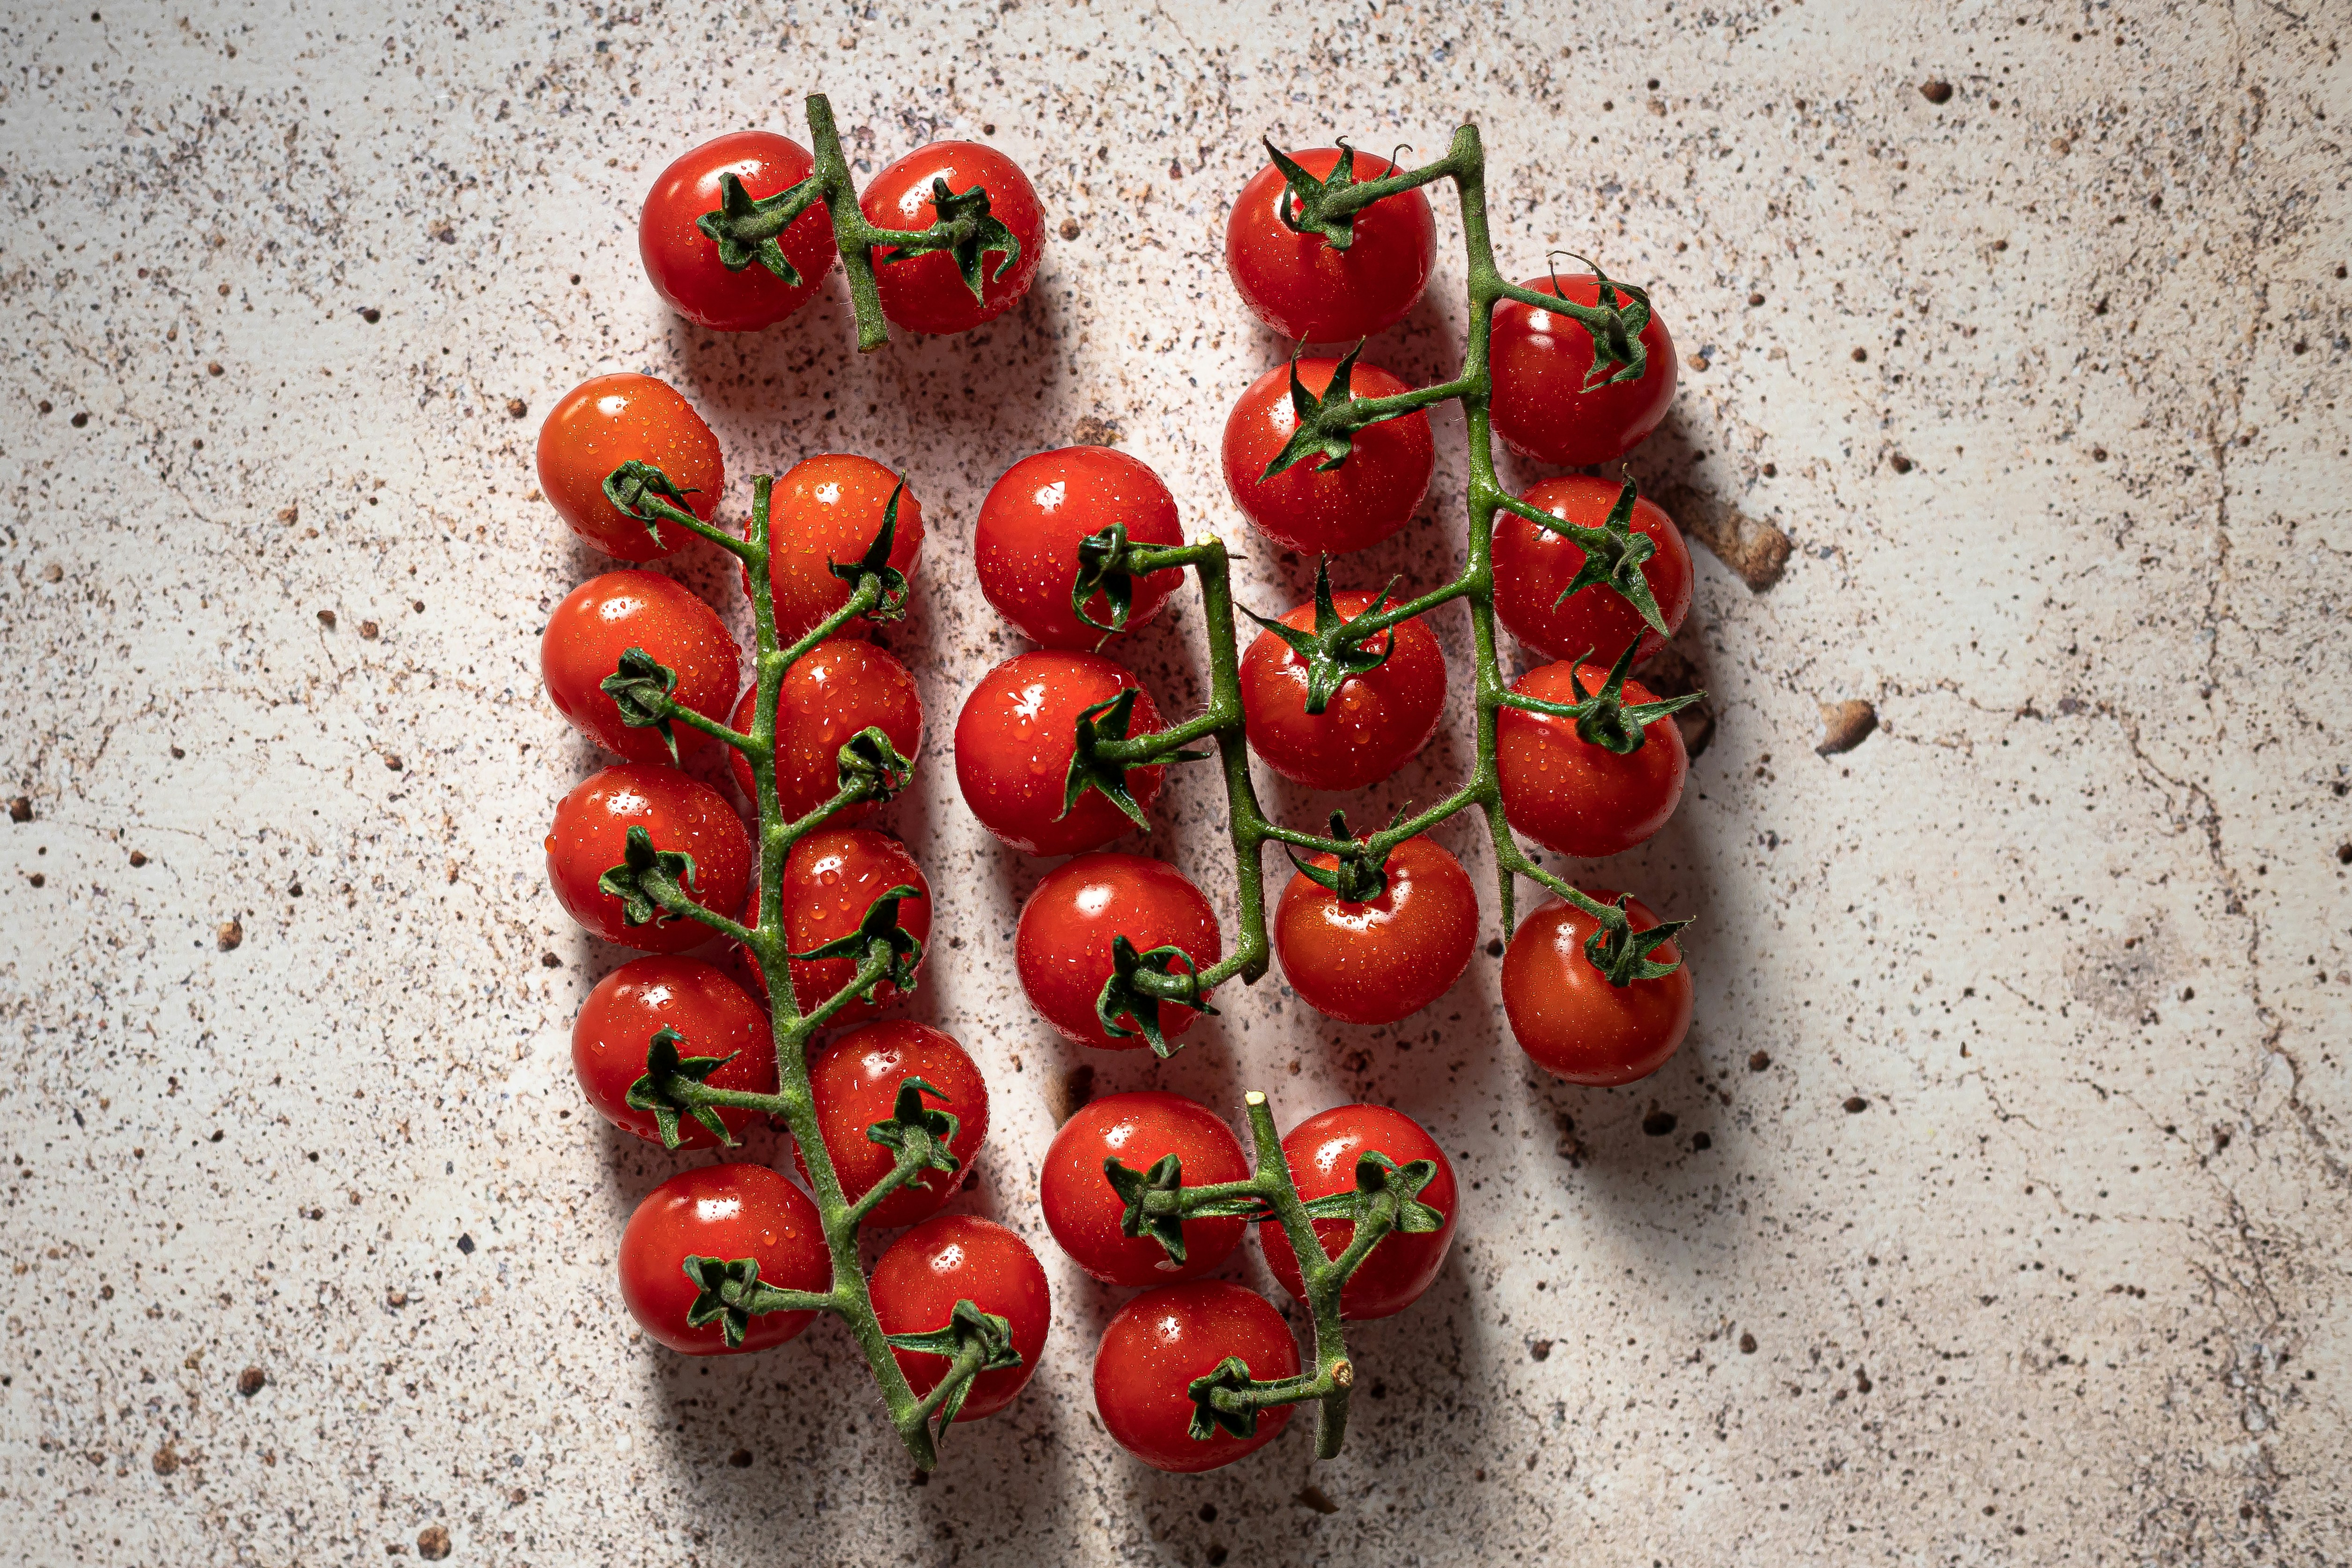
pixel 1569 795
pixel 714 1016
pixel 829 510
pixel 589 837
pixel 607 421
pixel 1387 959
pixel 1026 542
pixel 1369 496
pixel 605 617
pixel 853 1080
pixel 1534 566
pixel 1322 1152
pixel 835 690
pixel 1541 408
pixel 1375 724
pixel 1567 1016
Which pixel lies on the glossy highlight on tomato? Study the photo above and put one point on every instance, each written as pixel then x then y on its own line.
pixel 1159 1342
pixel 607 421
pixel 1375 724
pixel 589 837
pixel 1138 1130
pixel 1302 287
pixel 1026 542
pixel 713 1016
pixel 832 877
pixel 1579 799
pixel 958 1257
pixel 1541 408
pixel 1322 1151
pixel 1016 736
pixel 605 617
pixel 1063 949
pixel 854 1080
pixel 725 1212
pixel 1567 1016
pixel 1384 960
pixel 1534 566
pixel 829 509
pixel 682 262
pixel 835 690
pixel 1306 508
pixel 926 293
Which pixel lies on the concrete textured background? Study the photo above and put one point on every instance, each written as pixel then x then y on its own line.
pixel 2027 1246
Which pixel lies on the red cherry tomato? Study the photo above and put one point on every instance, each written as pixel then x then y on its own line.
pixel 591 837
pixel 1029 529
pixel 953 1257
pixel 1014 741
pixel 836 689
pixel 1298 285
pixel 607 421
pixel 827 510
pixel 926 293
pixel 716 1016
pixel 1322 1151
pixel 1139 1131
pixel 1572 796
pixel 1375 724
pixel 832 877
pixel 1385 960
pixel 853 1080
pixel 725 1212
pixel 1364 500
pixel 1567 1016
pixel 1062 949
pixel 1159 1342
pixel 608 615
pixel 1541 407
pixel 1534 566
pixel 683 262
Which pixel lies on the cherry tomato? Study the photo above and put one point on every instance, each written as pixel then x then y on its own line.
pixel 1541 407
pixel 1062 949
pixel 1534 566
pixel 826 509
pixel 1375 724
pixel 1572 796
pixel 608 615
pixel 1364 500
pixel 1138 1130
pixel 1029 529
pixel 683 262
pixel 715 1015
pixel 607 421
pixel 832 877
pixel 1016 736
pixel 836 689
pixel 725 1212
pixel 1298 285
pixel 953 1257
pixel 1159 1342
pixel 1384 960
pixel 926 293
pixel 591 837
pixel 853 1080
pixel 1322 1151
pixel 1567 1016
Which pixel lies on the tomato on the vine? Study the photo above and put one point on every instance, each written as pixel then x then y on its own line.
pixel 1298 285
pixel 832 877
pixel 1063 949
pixel 605 617
pixel 926 293
pixel 836 689
pixel 1138 1130
pixel 1026 542
pixel 1541 407
pixel 1534 566
pixel 589 837
pixel 854 1081
pixel 959 1257
pixel 828 510
pixel 713 1017
pixel 1306 507
pixel 1567 1016
pixel 1159 1342
pixel 1381 961
pixel 1573 796
pixel 1017 736
pixel 1322 1152
pixel 607 421
pixel 725 1212
pixel 1376 723
pixel 683 262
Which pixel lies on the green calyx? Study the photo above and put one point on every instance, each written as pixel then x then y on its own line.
pixel 666 1072
pixel 890 602
pixel 1102 570
pixel 870 764
pixel 644 873
pixel 1138 984
pixel 731 1295
pixel 745 227
pixel 1613 556
pixel 1337 228
pixel 918 1132
pixel 1604 718
pixel 644 492
pixel 1155 1205
pixel 965 230
pixel 1211 1414
pixel 975 1341
pixel 1357 878
pixel 877 934
pixel 1386 1196
pixel 1330 654
pixel 1326 425
pixel 640 688
pixel 1615 328
pixel 1621 953
pixel 1089 769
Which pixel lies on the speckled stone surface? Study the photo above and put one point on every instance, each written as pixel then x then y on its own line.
pixel 1996 1210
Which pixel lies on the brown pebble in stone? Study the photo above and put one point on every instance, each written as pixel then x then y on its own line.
pixel 1070 228
pixel 1315 1498
pixel 138 858
pixel 1540 1349
pixel 166 1461
pixel 1755 300
pixel 1095 431
pixel 1747 1344
pixel 1899 463
pixel 550 961
pixel 433 1543
pixel 327 619
pixel 369 629
pixel 371 315
pixel 230 936
pixel 250 1381
pixel 517 408
pixel 1754 550
pixel 1855 1104
pixel 1758 1061
pixel 739 1459
pixel 1935 91
pixel 1845 725
pixel 392 763
pixel 20 810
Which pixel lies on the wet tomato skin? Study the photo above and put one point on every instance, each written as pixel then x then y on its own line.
pixel 715 1015
pixel 1375 724
pixel 1138 1130
pixel 1534 566
pixel 726 1211
pixel 1063 947
pixel 1541 407
pixel 1026 542
pixel 1322 1152
pixel 832 877
pixel 589 837
pixel 1302 287
pixel 1379 962
pixel 607 421
pixel 1572 796
pixel 1567 1016
pixel 959 1257
pixel 825 510
pixel 854 1080
pixel 682 262
pixel 838 688
pixel 1165 1338
pixel 926 293
pixel 1014 741
pixel 1364 500
pixel 605 618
